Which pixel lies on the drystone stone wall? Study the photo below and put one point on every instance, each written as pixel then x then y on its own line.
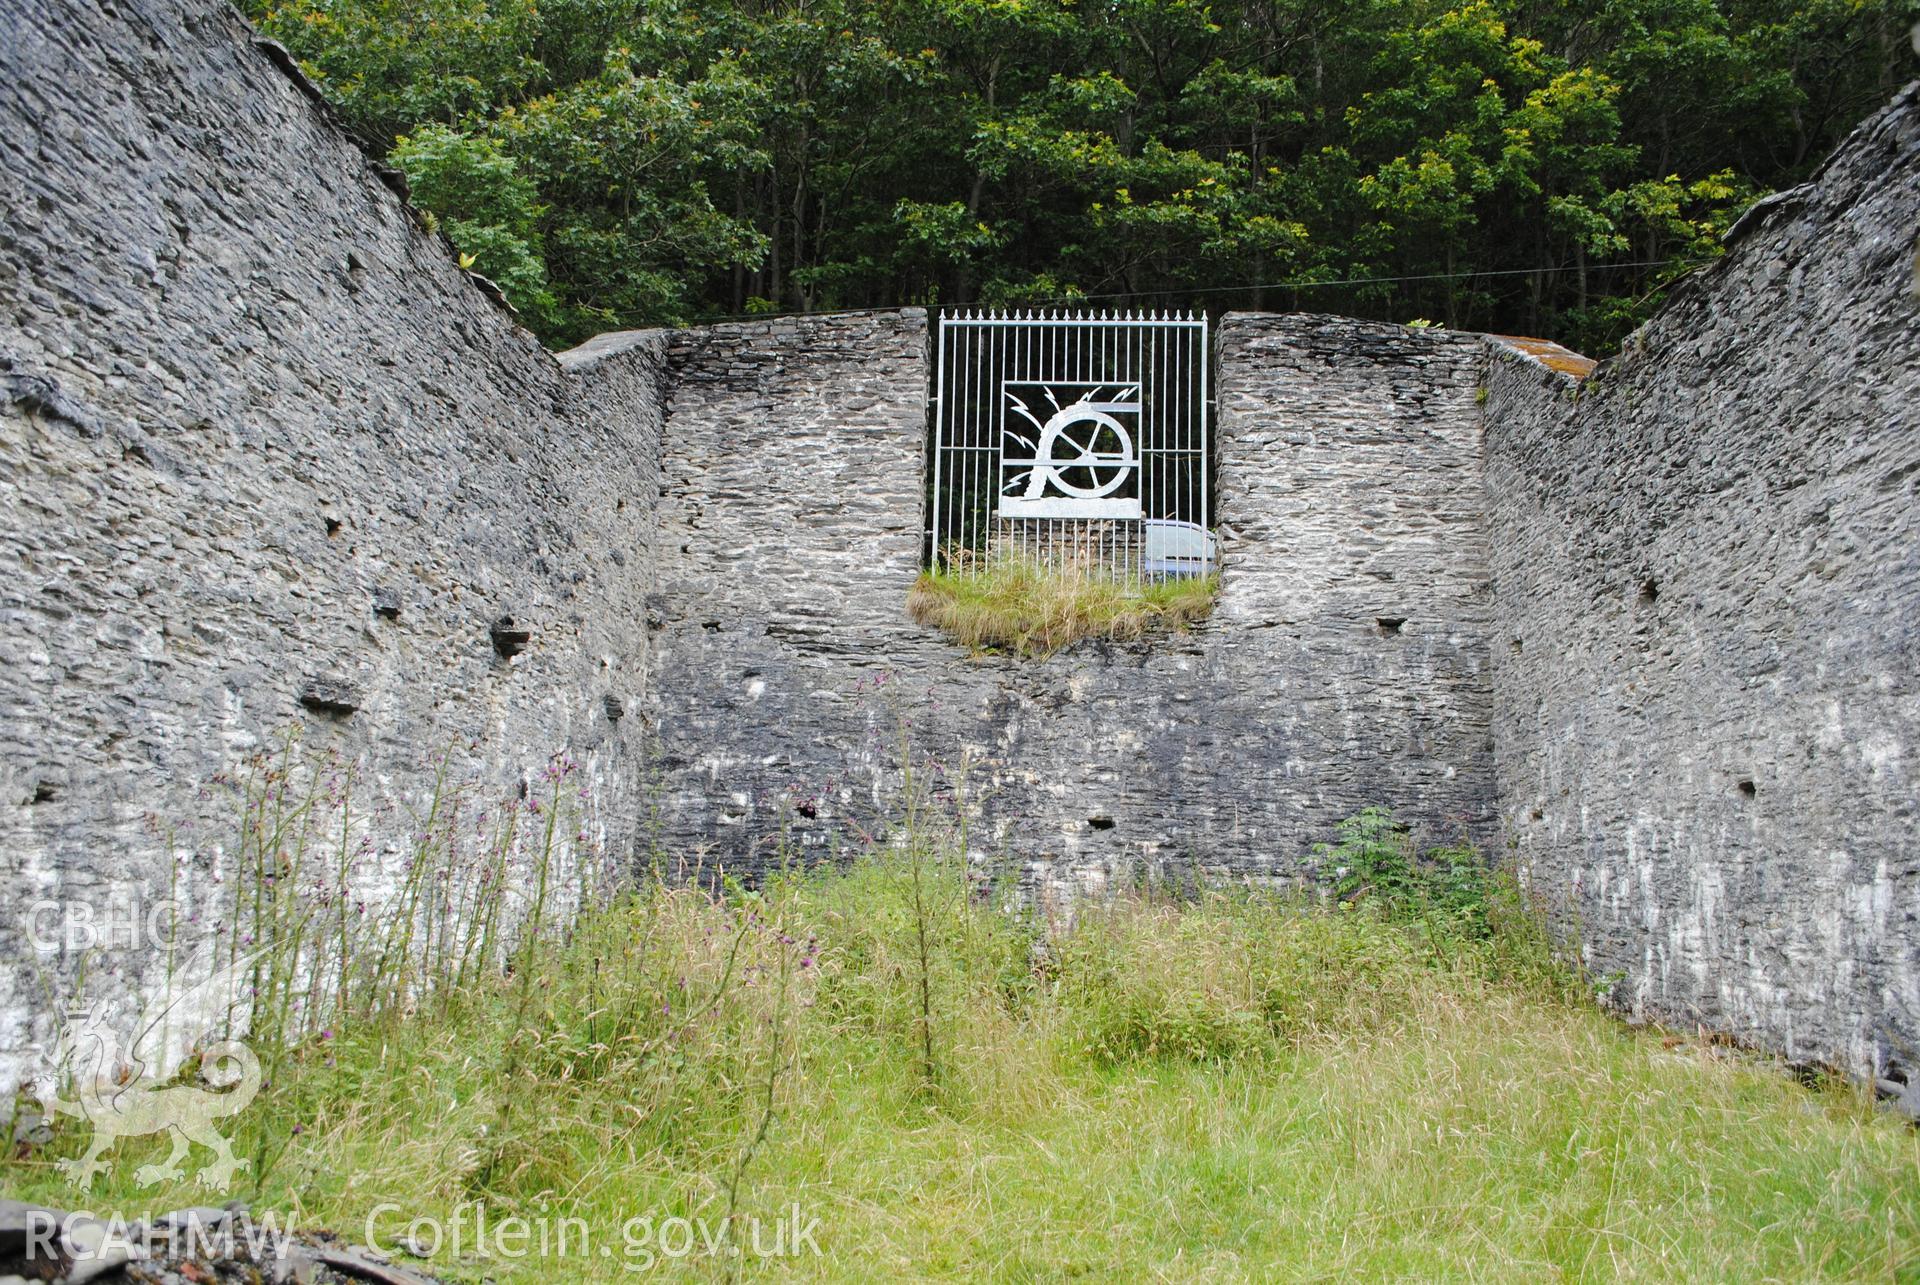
pixel 269 460
pixel 272 461
pixel 1706 568
pixel 1345 664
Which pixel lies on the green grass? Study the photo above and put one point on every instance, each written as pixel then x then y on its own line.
pixel 1233 1087
pixel 1032 608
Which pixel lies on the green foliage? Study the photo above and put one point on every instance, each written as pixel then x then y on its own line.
pixel 488 209
pixel 1033 608
pixel 1517 168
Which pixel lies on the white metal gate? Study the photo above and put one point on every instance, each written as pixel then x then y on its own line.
pixel 1078 441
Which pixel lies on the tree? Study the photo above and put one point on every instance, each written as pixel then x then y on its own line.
pixel 1537 165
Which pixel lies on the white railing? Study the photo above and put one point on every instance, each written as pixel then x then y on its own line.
pixel 1074 440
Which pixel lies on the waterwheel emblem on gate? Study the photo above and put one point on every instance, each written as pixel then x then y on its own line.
pixel 1068 451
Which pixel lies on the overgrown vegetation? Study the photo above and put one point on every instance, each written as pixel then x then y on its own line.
pixel 1034 608
pixel 1401 1078
pixel 1545 168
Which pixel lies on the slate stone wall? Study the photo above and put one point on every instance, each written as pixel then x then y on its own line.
pixel 1706 566
pixel 270 460
pixel 260 437
pixel 1345 665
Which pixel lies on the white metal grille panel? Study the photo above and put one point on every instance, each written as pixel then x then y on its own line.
pixel 1072 440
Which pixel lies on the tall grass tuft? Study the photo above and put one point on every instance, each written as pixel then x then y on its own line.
pixel 1402 1078
pixel 1034 608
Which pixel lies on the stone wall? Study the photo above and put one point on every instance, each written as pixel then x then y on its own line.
pixel 272 461
pixel 1345 665
pixel 260 440
pixel 1706 564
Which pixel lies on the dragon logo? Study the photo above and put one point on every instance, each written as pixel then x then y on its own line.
pixel 122 1092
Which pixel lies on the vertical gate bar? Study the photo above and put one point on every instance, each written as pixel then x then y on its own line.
pixel 971 400
pixel 1017 359
pixel 1200 424
pixel 1086 531
pixel 962 438
pixel 1069 337
pixel 1159 367
pixel 1169 433
pixel 992 436
pixel 1101 550
pixel 1050 368
pixel 1113 358
pixel 1008 357
pixel 1185 498
pixel 1136 366
pixel 1166 423
pixel 970 517
pixel 985 422
pixel 1058 355
pixel 1023 339
pixel 1056 343
pixel 986 460
pixel 1170 476
pixel 1161 379
pixel 1206 438
pixel 962 433
pixel 1193 440
pixel 1002 533
pixel 1193 414
pixel 1103 369
pixel 963 359
pixel 957 435
pixel 1186 414
pixel 1129 346
pixel 939 413
pixel 1197 346
pixel 1176 426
